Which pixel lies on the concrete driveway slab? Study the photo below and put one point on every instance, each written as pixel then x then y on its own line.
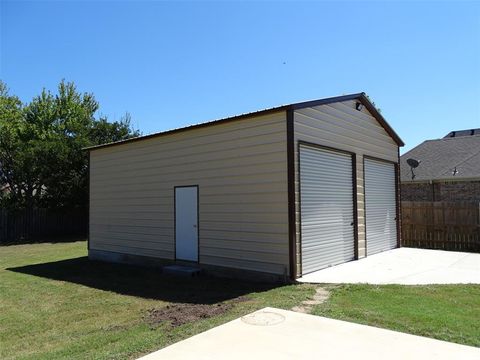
pixel 279 334
pixel 405 266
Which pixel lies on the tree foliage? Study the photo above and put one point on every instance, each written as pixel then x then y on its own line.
pixel 41 158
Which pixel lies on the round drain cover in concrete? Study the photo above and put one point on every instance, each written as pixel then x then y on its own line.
pixel 263 318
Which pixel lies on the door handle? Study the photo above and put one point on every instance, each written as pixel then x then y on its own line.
pixel 194 226
pixel 351 224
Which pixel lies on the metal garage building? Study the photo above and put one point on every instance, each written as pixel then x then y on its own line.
pixel 284 191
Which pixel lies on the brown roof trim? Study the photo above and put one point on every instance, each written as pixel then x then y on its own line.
pixel 301 105
pixel 292 232
pixel 376 114
pixel 190 127
pixel 364 100
pixel 330 100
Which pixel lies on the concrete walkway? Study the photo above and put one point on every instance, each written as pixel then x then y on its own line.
pixel 279 334
pixel 404 266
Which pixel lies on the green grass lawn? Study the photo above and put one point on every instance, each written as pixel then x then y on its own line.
pixel 444 312
pixel 55 304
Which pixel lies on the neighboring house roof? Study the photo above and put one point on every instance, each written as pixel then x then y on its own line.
pixel 450 158
pixel 361 97
pixel 458 133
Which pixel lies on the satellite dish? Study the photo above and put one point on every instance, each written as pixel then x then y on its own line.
pixel 413 163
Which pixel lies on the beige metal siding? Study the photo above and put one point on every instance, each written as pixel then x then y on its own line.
pixel 341 126
pixel 241 170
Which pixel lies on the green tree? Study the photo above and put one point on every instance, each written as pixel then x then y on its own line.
pixel 11 110
pixel 41 158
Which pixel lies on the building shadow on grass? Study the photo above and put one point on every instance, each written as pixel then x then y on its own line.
pixel 143 282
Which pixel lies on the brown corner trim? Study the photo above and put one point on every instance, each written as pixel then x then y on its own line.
pixel 299 188
pixel 291 194
pixel 398 196
pixel 88 202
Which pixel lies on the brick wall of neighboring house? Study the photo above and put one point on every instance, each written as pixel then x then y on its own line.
pixel 441 191
pixel 416 192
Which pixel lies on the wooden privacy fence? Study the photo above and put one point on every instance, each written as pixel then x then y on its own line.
pixel 441 225
pixel 22 226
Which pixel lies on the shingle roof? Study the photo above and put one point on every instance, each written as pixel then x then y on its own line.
pixel 440 159
pixel 362 97
pixel 458 133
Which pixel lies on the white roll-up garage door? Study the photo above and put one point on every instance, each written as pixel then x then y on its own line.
pixel 380 206
pixel 326 194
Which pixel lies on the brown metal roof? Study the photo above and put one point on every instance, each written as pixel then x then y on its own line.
pixel 295 106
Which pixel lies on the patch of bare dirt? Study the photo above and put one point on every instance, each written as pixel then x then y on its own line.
pixel 183 313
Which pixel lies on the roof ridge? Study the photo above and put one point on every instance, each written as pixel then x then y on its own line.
pixel 362 97
pixel 453 138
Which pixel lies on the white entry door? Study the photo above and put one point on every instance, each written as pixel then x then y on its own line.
pixel 380 206
pixel 186 223
pixel 326 193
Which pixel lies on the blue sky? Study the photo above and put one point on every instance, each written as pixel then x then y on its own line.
pixel 175 63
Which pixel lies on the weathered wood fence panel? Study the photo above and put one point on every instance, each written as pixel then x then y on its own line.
pixel 441 225
pixel 22 226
